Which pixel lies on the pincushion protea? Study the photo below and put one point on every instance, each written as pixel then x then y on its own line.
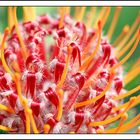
pixel 72 84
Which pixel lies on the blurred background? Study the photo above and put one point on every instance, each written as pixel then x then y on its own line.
pixel 127 16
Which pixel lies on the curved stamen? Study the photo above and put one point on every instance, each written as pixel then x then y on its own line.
pixel 131 75
pixel 25 105
pixel 4 128
pixel 15 77
pixel 5 108
pixel 121 96
pixel 125 30
pixel 128 55
pixel 23 101
pixel 65 71
pixel 125 48
pixel 89 59
pixel 123 118
pixel 18 86
pixel 108 121
pixel 130 126
pixel 126 104
pixel 100 17
pixel 32 121
pixel 114 22
pixel 97 97
pixel 6 67
pixel 19 34
pixel 106 15
pixel 126 126
pixel 10 18
pixel 27 122
pixel 60 107
pixel 133 27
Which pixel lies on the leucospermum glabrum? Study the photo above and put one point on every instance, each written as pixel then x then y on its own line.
pixel 73 83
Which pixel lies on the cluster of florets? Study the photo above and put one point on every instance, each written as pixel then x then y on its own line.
pixel 42 69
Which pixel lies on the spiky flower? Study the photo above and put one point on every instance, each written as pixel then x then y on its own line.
pixel 71 84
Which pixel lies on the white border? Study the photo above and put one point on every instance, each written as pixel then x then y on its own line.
pixel 70 3
pixel 70 136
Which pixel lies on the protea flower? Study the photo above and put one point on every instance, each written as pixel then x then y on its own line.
pixel 73 83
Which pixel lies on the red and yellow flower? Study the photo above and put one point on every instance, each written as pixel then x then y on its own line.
pixel 73 83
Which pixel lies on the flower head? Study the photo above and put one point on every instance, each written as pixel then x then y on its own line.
pixel 71 84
